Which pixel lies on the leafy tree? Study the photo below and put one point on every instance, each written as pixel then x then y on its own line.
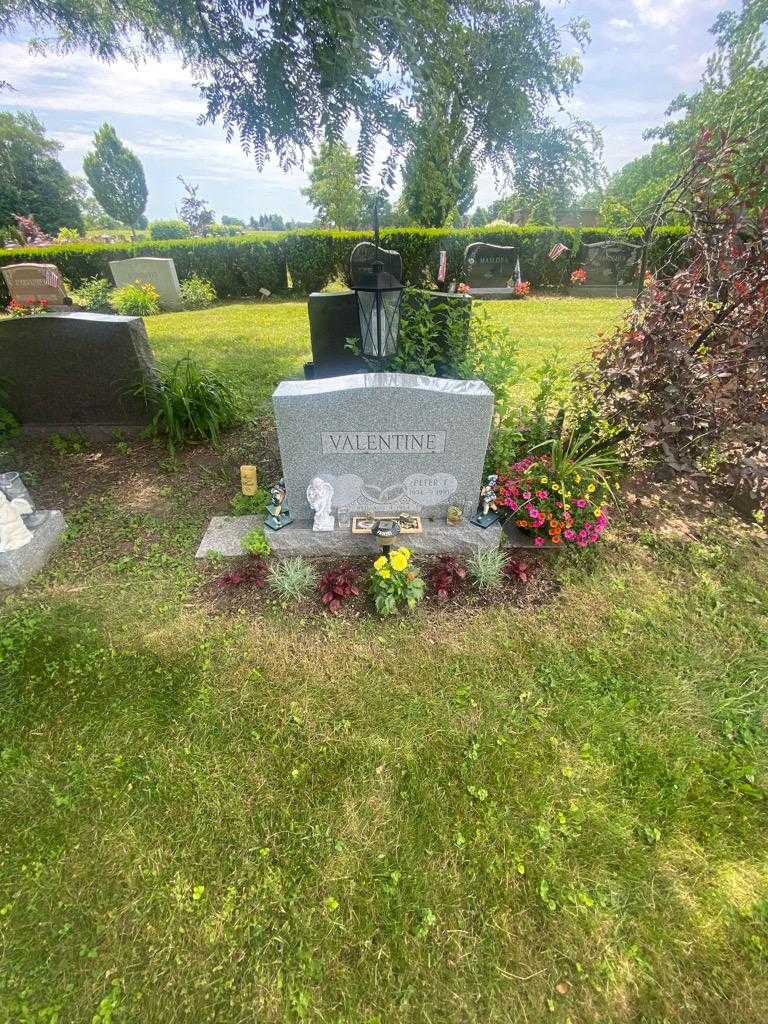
pixel 283 74
pixel 267 222
pixel 32 181
pixel 117 178
pixel 439 173
pixel 194 211
pixel 94 217
pixel 334 190
pixel 234 222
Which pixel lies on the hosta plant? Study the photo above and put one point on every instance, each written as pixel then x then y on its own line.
pixel 394 582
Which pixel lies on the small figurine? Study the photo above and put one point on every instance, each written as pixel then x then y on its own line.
pixel 13 531
pixel 320 497
pixel 278 515
pixel 487 513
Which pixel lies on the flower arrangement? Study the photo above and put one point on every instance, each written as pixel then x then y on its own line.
pixel 556 504
pixel 462 288
pixel 523 289
pixel 32 307
pixel 394 582
pixel 578 276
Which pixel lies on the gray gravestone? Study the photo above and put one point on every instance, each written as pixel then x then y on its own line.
pixel 387 442
pixel 150 270
pixel 75 371
pixel 489 269
pixel 33 282
pixel 612 269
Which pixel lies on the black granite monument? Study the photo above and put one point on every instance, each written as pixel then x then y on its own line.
pixel 612 269
pixel 490 270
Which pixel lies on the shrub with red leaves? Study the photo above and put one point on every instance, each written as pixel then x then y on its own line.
pixel 252 574
pixel 337 586
pixel 30 231
pixel 447 577
pixel 685 380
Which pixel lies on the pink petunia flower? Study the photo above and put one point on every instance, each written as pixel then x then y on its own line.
pixel 539 542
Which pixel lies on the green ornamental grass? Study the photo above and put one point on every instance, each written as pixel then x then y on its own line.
pixel 292 579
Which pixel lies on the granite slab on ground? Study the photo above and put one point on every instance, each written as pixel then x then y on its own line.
pixel 19 566
pixel 225 533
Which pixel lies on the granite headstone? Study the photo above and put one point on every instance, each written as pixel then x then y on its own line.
pixel 387 442
pixel 612 269
pixel 150 270
pixel 489 268
pixel 35 282
pixel 76 371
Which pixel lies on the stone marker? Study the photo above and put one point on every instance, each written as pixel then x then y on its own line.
pixel 488 268
pixel 41 533
pixel 31 282
pixel 75 372
pixel 386 442
pixel 150 270
pixel 612 269
pixel 333 318
pixel 225 533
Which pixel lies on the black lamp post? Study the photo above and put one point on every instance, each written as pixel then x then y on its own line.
pixel 376 279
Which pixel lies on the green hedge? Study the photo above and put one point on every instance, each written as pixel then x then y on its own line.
pixel 313 258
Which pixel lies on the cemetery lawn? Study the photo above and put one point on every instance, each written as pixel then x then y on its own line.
pixel 554 812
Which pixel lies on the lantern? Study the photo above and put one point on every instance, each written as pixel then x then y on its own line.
pixel 376 275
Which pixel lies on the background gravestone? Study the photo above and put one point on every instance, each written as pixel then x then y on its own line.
pixel 333 317
pixel 612 269
pixel 31 282
pixel 150 270
pixel 488 268
pixel 76 371
pixel 388 442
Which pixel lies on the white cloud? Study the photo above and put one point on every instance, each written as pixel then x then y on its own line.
pixel 670 14
pixel 78 82
pixel 621 30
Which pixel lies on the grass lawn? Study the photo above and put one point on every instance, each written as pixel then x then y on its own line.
pixel 553 812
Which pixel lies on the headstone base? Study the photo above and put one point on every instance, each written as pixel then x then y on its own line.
pixel 225 533
pixel 19 566
pixel 493 293
pixel 605 291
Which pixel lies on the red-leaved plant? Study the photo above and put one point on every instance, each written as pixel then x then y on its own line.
pixel 447 577
pixel 685 380
pixel 519 570
pixel 30 231
pixel 337 586
pixel 252 573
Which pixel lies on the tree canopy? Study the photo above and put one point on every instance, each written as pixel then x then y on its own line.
pixel 334 190
pixel 32 181
pixel 116 176
pixel 281 75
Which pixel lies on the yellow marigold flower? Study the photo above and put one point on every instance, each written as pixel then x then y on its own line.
pixel 398 561
pixel 555 487
pixel 543 480
pixel 590 489
pixel 577 478
pixel 598 511
pixel 380 563
pixel 385 574
pixel 405 551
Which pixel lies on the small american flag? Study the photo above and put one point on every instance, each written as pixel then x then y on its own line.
pixel 443 265
pixel 557 250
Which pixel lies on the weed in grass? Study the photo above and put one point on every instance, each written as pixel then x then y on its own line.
pixel 250 504
pixel 68 444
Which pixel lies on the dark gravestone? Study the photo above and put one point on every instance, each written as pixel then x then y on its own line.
pixel 612 269
pixel 76 372
pixel 363 257
pixel 333 317
pixel 489 269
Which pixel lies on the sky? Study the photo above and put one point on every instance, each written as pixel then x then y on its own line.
pixel 643 53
